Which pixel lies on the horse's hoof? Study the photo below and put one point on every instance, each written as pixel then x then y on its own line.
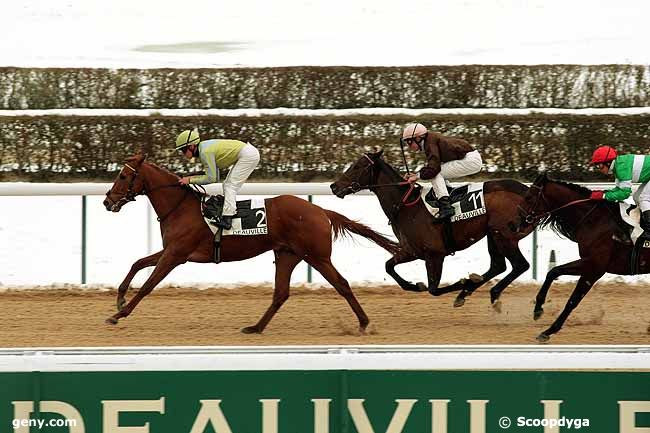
pixel 459 302
pixel 496 305
pixel 476 278
pixel 120 304
pixel 543 338
pixel 410 288
pixel 251 330
pixel 421 287
pixel 538 313
pixel 111 321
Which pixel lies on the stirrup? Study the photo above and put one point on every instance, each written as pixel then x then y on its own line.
pixel 225 222
pixel 441 217
pixel 637 248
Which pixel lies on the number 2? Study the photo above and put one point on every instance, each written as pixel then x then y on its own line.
pixel 262 215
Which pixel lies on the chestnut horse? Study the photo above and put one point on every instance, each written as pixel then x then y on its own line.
pixel 596 226
pixel 421 238
pixel 297 230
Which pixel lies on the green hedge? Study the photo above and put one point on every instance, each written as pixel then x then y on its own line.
pixel 471 86
pixel 309 148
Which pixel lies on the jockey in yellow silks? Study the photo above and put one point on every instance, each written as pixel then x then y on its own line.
pixel 242 158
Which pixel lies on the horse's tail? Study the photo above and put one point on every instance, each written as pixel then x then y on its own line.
pixel 342 225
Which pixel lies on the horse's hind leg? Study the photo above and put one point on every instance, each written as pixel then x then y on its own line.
pixel 402 257
pixel 497 265
pixel 135 268
pixel 329 272
pixel 582 288
pixel 571 268
pixel 285 263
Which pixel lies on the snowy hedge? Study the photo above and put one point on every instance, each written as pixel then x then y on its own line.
pixel 472 86
pixel 309 148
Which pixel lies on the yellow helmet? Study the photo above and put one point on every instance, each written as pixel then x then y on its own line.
pixel 187 138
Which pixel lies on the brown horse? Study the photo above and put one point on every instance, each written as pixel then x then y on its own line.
pixel 297 230
pixel 596 226
pixel 421 238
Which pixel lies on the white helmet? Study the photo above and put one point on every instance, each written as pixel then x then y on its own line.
pixel 414 130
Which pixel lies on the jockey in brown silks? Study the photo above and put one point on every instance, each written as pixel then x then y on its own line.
pixel 446 158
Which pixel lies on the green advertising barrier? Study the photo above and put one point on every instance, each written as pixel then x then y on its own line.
pixel 327 401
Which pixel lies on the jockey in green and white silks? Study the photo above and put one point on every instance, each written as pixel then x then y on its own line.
pixel 221 154
pixel 627 169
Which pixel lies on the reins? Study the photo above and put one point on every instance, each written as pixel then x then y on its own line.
pixel 531 218
pixel 356 187
pixel 130 195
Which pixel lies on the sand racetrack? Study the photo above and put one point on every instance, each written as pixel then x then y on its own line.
pixel 612 313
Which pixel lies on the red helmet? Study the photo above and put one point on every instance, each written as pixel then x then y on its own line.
pixel 603 155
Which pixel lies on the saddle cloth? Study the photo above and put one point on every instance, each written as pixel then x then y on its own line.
pixel 249 220
pixel 467 201
pixel 632 216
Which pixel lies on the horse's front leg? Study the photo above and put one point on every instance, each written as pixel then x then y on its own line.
pixel 135 268
pixel 166 263
pixel 397 259
pixel 576 267
pixel 469 285
pixel 434 272
pixel 585 283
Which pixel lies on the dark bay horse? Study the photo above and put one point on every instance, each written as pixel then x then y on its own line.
pixel 597 228
pixel 297 230
pixel 421 238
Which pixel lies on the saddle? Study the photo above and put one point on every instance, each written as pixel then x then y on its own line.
pixel 455 194
pixel 249 220
pixel 467 201
pixel 631 218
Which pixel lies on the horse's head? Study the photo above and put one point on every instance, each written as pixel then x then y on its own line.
pixel 128 184
pixel 360 175
pixel 535 203
pixel 546 197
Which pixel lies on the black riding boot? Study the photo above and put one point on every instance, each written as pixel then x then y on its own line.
pixel 645 225
pixel 224 221
pixel 446 210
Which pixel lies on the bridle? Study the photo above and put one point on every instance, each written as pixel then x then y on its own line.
pixel 356 186
pixel 529 216
pixel 130 194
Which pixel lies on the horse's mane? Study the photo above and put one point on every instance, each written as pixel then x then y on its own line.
pixel 195 190
pixel 164 170
pixel 390 168
pixel 584 191
pixel 563 227
pixel 559 225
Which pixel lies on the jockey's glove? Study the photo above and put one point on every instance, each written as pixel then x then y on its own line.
pixel 597 195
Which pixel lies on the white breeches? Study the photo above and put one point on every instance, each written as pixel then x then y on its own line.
pixel 470 164
pixel 642 197
pixel 249 157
